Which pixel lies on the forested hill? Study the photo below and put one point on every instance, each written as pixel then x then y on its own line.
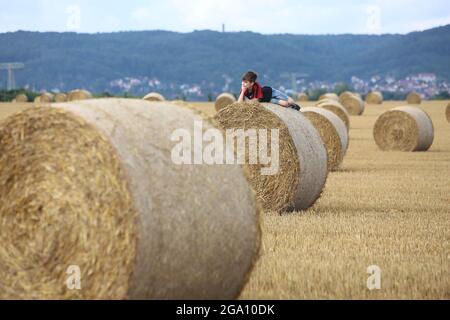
pixel 68 60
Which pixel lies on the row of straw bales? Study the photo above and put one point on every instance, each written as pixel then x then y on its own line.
pixel 108 163
pixel 302 156
pixel 373 97
pixel 222 100
pixel 47 97
pixel 95 184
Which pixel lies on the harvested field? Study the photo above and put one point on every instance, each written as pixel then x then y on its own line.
pixel 388 209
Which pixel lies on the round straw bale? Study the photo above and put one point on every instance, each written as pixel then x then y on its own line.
pixel 330 96
pixel 348 94
pixel 354 104
pixel 60 97
pixel 303 97
pixel 21 98
pixel 333 132
pixel 404 129
pixel 78 94
pixel 447 112
pixel 224 100
pixel 414 98
pixel 345 94
pixel 93 184
pixel 44 98
pixel 302 156
pixel 374 97
pixel 338 110
pixel 154 97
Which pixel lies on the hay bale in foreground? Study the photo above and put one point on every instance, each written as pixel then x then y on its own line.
pixel 329 96
pixel 76 95
pixel 60 97
pixel 93 184
pixel 414 98
pixel 303 97
pixel 44 98
pixel 404 129
pixel 354 104
pixel 224 100
pixel 302 156
pixel 374 97
pixel 21 98
pixel 333 132
pixel 154 97
pixel 338 110
pixel 447 112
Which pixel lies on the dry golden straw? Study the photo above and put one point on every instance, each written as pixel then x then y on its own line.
pixel 179 103
pixel 21 98
pixel 447 112
pixel 92 184
pixel 404 129
pixel 333 132
pixel 374 97
pixel 353 103
pixel 302 156
pixel 60 97
pixel 303 97
pixel 76 95
pixel 224 100
pixel 154 97
pixel 329 96
pixel 337 109
pixel 345 94
pixel 44 98
pixel 414 98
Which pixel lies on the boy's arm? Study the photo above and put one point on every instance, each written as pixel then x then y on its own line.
pixel 241 96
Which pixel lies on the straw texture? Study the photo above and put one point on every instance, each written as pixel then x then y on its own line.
pixel 60 97
pixel 354 104
pixel 78 94
pixel 154 96
pixel 374 97
pixel 447 112
pixel 303 169
pixel 404 129
pixel 329 96
pixel 414 98
pixel 303 97
pixel 92 183
pixel 224 100
pixel 21 98
pixel 333 132
pixel 338 110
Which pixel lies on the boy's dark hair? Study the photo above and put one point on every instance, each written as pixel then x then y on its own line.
pixel 250 76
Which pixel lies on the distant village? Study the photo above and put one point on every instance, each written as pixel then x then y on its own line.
pixel 426 84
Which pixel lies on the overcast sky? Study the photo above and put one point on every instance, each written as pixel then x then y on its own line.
pixel 263 16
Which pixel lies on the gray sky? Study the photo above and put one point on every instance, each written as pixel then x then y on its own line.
pixel 264 16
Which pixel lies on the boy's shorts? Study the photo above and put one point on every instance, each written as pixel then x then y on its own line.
pixel 277 96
